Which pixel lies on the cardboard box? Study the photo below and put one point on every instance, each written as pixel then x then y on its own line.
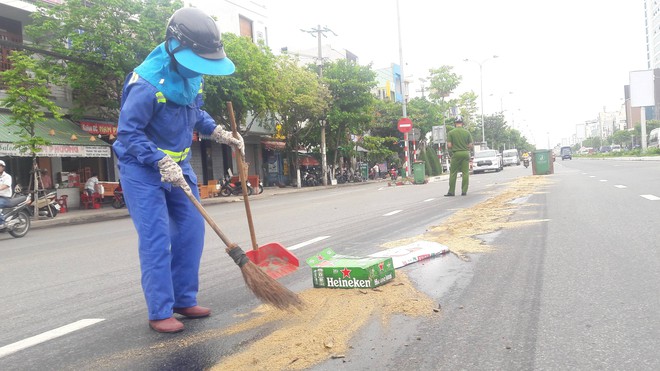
pixel 412 253
pixel 331 270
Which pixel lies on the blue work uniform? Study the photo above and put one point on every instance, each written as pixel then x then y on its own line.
pixel 170 228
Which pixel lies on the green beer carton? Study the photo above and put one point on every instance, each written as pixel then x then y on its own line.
pixel 331 270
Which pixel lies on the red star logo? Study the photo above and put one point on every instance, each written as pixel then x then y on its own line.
pixel 381 265
pixel 346 272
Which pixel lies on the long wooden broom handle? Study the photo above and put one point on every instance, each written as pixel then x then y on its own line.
pixel 208 218
pixel 243 177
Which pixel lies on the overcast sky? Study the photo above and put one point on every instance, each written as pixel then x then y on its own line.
pixel 564 60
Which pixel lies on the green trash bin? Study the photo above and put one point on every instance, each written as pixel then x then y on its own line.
pixel 419 172
pixel 542 162
pixel 364 170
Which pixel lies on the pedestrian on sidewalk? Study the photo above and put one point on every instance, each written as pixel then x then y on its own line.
pixel 459 142
pixel 160 109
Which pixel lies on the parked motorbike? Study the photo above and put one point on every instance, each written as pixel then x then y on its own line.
pixel 393 173
pixel 47 205
pixel 17 216
pixel 342 176
pixel 309 179
pixel 228 188
pixel 118 199
pixel 526 162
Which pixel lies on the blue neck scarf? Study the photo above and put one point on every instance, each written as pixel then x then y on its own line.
pixel 157 69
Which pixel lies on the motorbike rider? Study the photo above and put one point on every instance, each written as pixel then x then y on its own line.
pixel 160 108
pixel 5 190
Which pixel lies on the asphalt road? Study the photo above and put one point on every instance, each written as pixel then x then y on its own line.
pixel 578 291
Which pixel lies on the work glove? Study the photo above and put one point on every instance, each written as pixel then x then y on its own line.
pixel 226 137
pixel 170 172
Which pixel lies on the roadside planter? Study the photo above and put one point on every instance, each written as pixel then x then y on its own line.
pixel 331 270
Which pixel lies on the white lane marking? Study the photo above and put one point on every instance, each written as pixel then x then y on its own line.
pixel 393 212
pixel 309 242
pixel 603 180
pixel 651 197
pixel 585 173
pixel 429 199
pixel 48 335
pixel 592 176
pixel 620 186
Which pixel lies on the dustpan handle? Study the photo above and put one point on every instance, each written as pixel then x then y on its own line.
pixel 207 217
pixel 243 177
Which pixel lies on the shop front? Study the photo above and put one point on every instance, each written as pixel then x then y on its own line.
pixel 71 156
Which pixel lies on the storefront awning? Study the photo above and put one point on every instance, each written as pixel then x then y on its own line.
pixel 66 139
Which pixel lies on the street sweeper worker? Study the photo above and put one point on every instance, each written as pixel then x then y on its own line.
pixel 160 107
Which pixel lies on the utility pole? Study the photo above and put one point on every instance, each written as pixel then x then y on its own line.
pixel 423 88
pixel 403 91
pixel 319 32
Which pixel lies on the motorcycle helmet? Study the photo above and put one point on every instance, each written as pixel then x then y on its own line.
pixel 193 41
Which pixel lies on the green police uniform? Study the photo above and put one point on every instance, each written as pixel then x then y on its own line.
pixel 460 140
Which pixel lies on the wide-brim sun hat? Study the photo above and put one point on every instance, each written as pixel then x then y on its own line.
pixel 193 38
pixel 204 66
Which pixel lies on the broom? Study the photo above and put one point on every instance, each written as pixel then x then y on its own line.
pixel 267 289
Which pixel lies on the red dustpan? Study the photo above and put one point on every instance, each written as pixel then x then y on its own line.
pixel 273 258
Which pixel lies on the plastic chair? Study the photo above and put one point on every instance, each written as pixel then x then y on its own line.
pixel 62 202
pixel 85 200
pixel 97 200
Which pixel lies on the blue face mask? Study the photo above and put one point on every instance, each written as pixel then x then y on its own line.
pixel 186 73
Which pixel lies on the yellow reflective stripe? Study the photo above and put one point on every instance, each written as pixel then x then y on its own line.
pixel 201 86
pixel 160 97
pixel 177 156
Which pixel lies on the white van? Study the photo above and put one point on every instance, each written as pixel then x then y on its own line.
pixel 510 157
pixel 653 138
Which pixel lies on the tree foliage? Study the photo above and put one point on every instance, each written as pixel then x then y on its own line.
pixel 351 107
pixel 28 99
pixel 252 89
pixel 94 45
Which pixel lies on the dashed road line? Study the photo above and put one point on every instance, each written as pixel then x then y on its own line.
pixel 309 242
pixel 392 212
pixel 651 197
pixel 603 180
pixel 429 199
pixel 48 335
pixel 620 186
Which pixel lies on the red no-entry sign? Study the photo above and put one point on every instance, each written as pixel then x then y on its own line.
pixel 405 125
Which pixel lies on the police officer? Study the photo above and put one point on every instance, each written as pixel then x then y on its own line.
pixel 459 142
pixel 160 108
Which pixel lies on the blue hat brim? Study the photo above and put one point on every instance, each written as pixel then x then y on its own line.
pixel 188 59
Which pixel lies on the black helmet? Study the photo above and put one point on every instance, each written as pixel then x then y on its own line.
pixel 193 39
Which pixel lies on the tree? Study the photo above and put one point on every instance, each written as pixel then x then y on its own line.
pixel 300 102
pixel 351 109
pixel 28 99
pixel 442 82
pixel 253 89
pixel 94 45
pixel 621 137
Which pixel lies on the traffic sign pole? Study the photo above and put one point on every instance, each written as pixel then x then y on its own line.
pixel 404 126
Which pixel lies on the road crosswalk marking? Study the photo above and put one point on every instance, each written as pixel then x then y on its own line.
pixel 651 197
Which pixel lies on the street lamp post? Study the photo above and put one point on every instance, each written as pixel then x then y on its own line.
pixel 481 94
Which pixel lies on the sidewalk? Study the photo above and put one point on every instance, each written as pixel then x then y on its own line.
pixel 107 212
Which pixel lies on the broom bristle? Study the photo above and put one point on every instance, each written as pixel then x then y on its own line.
pixel 268 290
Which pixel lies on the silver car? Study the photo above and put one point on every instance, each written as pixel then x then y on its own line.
pixel 489 159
